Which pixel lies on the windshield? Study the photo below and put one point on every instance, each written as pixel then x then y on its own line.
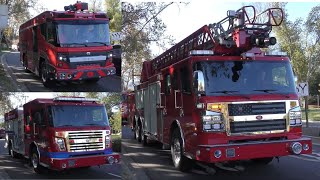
pixel 67 115
pixel 83 33
pixel 247 77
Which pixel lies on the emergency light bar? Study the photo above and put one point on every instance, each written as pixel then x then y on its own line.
pixel 80 99
pixel 201 52
pixel 77 6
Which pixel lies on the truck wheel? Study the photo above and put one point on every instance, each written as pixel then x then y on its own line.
pixel 25 65
pixel 11 151
pixel 145 140
pixel 44 76
pixel 179 160
pixel 35 162
pixel 263 161
pixel 138 132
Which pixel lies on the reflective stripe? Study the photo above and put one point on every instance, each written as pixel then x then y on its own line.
pixel 88 58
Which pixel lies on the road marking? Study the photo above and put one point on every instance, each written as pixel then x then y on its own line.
pixel 114 175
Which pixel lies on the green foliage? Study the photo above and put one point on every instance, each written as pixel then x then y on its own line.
pixel 141 26
pixel 113 8
pixel 115 122
pixel 5 102
pixel 301 40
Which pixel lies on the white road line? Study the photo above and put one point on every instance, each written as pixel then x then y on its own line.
pixel 114 175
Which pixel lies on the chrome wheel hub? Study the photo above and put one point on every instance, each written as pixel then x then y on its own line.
pixel 34 160
pixel 176 151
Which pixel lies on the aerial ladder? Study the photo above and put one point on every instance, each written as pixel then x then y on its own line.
pixel 241 31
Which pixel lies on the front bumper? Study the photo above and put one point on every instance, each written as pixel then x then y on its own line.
pixel 83 161
pixel 81 74
pixel 250 150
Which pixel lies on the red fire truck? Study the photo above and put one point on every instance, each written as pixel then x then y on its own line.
pixel 66 46
pixel 127 107
pixel 60 133
pixel 216 97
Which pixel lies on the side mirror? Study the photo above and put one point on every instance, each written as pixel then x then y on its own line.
pixel 198 82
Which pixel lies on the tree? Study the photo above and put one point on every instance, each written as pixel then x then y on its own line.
pixel 115 122
pixel 5 103
pixel 113 8
pixel 19 12
pixel 141 26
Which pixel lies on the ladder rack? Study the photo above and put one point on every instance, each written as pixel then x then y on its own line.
pixel 239 32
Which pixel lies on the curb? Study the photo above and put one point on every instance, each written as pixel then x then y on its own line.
pixel 127 168
pixel 11 75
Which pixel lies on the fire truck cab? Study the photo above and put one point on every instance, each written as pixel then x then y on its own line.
pixel 60 133
pixel 215 97
pixel 70 45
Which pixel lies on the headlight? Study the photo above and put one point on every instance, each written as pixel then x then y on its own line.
pixel 108 139
pixel 61 144
pixel 62 57
pixel 295 116
pixel 212 123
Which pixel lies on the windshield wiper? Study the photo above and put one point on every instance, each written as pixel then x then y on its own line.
pixel 65 125
pixel 230 92
pixel 269 91
pixel 75 44
pixel 92 124
pixel 98 43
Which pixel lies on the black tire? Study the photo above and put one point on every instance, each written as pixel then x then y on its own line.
pixel 11 152
pixel 138 132
pixel 34 159
pixel 24 64
pixel 181 162
pixel 263 161
pixel 134 132
pixel 44 76
pixel 145 140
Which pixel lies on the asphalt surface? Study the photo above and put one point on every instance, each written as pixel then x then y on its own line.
pixel 30 82
pixel 157 164
pixel 19 169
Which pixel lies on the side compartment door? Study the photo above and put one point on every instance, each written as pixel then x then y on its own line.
pixel 155 118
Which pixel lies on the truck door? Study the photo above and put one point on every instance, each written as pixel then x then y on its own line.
pixel 35 49
pixel 36 131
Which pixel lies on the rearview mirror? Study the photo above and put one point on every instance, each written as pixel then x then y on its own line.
pixel 198 82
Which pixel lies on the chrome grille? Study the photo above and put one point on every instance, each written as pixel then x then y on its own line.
pixel 257 126
pixel 79 141
pixel 257 108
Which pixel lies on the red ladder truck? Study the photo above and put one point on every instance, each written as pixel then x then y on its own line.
pixel 68 45
pixel 60 133
pixel 216 97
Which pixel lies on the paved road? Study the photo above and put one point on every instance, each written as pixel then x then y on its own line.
pixel 30 82
pixel 19 169
pixel 157 164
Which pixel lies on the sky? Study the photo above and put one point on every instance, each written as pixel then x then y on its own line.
pixel 182 20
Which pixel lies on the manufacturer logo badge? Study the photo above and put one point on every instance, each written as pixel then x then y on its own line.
pixel 259 117
pixel 88 53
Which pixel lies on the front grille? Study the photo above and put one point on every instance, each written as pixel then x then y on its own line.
pixel 256 126
pixel 257 108
pixel 86 141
